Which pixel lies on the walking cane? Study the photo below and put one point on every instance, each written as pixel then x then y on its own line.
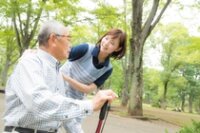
pixel 103 114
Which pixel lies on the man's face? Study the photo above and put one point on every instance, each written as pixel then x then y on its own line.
pixel 63 43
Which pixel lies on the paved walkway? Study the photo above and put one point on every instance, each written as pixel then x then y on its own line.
pixel 115 124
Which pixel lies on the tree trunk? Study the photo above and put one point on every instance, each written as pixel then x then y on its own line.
pixel 136 62
pixel 9 60
pixel 139 36
pixel 4 73
pixel 183 103
pixel 198 107
pixel 164 101
pixel 135 104
pixel 126 67
pixel 125 91
pixel 190 103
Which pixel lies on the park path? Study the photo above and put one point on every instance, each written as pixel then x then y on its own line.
pixel 115 124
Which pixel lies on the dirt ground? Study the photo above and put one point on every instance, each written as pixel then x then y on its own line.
pixel 115 124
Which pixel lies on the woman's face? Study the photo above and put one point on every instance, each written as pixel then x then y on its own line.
pixel 109 45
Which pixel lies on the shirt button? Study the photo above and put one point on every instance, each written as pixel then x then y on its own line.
pixel 66 116
pixel 86 111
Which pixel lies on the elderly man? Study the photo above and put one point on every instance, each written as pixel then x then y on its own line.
pixel 35 94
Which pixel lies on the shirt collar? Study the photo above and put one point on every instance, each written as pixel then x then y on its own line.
pixel 95 54
pixel 49 58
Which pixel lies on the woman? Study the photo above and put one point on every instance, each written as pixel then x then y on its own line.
pixel 89 67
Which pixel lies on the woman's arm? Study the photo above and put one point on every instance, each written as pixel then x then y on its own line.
pixel 80 86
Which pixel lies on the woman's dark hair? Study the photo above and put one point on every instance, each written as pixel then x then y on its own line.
pixel 116 33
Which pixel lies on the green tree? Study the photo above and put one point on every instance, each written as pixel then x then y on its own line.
pixel 190 54
pixel 125 61
pixel 175 36
pixel 140 32
pixel 106 17
pixel 9 52
pixel 152 84
pixel 191 73
pixel 22 17
pixel 25 16
pixel 179 85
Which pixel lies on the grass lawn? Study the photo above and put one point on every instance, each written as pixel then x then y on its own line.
pixel 176 118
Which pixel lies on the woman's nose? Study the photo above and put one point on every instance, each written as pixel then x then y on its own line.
pixel 107 43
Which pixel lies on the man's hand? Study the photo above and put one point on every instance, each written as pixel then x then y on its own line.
pixel 101 97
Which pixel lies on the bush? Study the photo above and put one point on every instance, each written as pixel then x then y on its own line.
pixel 194 128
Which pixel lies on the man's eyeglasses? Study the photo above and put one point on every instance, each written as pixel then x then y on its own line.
pixel 63 35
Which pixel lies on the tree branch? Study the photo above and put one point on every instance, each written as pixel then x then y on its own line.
pixel 28 19
pixel 16 31
pixel 160 15
pixel 14 9
pixel 20 23
pixel 146 29
pixel 36 21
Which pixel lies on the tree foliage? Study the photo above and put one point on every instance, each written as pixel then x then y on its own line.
pixel 180 52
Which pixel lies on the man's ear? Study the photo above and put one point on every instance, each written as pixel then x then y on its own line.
pixel 52 39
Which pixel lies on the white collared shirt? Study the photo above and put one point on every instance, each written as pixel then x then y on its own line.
pixel 35 95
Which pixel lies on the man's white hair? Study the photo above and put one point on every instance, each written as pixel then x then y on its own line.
pixel 50 27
